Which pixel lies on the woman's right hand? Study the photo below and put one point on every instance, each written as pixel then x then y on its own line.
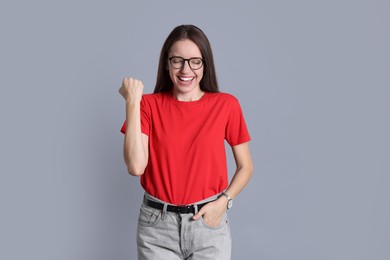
pixel 131 89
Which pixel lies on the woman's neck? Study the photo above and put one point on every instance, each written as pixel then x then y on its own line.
pixel 188 97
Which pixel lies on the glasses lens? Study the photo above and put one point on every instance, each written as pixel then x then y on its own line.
pixel 177 62
pixel 196 63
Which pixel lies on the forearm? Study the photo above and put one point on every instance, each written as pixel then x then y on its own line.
pixel 239 180
pixel 214 210
pixel 134 152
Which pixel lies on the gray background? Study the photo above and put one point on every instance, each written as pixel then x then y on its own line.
pixel 314 83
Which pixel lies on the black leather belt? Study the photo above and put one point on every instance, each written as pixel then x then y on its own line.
pixel 176 209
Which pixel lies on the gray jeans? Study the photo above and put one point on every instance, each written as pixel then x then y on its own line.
pixel 172 236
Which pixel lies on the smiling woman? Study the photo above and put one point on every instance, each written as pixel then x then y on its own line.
pixel 175 140
pixel 186 79
pixel 198 47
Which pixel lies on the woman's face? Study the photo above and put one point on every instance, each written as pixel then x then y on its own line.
pixel 186 81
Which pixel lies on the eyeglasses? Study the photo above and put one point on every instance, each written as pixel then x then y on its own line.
pixel 178 62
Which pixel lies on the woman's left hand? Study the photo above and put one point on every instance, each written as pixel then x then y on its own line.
pixel 212 212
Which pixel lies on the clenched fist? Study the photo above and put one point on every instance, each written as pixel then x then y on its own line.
pixel 131 89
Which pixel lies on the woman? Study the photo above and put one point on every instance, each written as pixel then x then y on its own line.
pixel 174 140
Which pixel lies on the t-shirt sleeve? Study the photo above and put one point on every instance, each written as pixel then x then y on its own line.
pixel 236 130
pixel 145 118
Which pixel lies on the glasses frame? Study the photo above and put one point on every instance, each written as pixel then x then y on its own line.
pixel 184 60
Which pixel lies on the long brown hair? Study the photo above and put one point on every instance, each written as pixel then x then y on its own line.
pixel 193 33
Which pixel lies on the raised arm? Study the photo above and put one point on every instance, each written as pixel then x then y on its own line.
pixel 135 148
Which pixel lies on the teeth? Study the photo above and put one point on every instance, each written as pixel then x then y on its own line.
pixel 186 79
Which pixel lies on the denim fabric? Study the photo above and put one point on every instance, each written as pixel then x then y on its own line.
pixel 171 236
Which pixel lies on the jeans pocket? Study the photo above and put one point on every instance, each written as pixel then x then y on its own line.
pixel 149 216
pixel 222 224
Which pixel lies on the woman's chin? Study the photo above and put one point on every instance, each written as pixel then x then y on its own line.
pixel 185 88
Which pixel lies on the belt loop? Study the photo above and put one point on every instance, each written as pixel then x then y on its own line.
pixel 164 211
pixel 196 209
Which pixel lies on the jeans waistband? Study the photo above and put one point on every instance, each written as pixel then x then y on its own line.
pixel 214 197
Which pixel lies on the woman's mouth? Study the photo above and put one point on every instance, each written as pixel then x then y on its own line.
pixel 186 79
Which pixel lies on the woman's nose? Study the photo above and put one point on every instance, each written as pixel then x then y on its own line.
pixel 186 67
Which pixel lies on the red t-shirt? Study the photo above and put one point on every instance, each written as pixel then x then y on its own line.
pixel 187 158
